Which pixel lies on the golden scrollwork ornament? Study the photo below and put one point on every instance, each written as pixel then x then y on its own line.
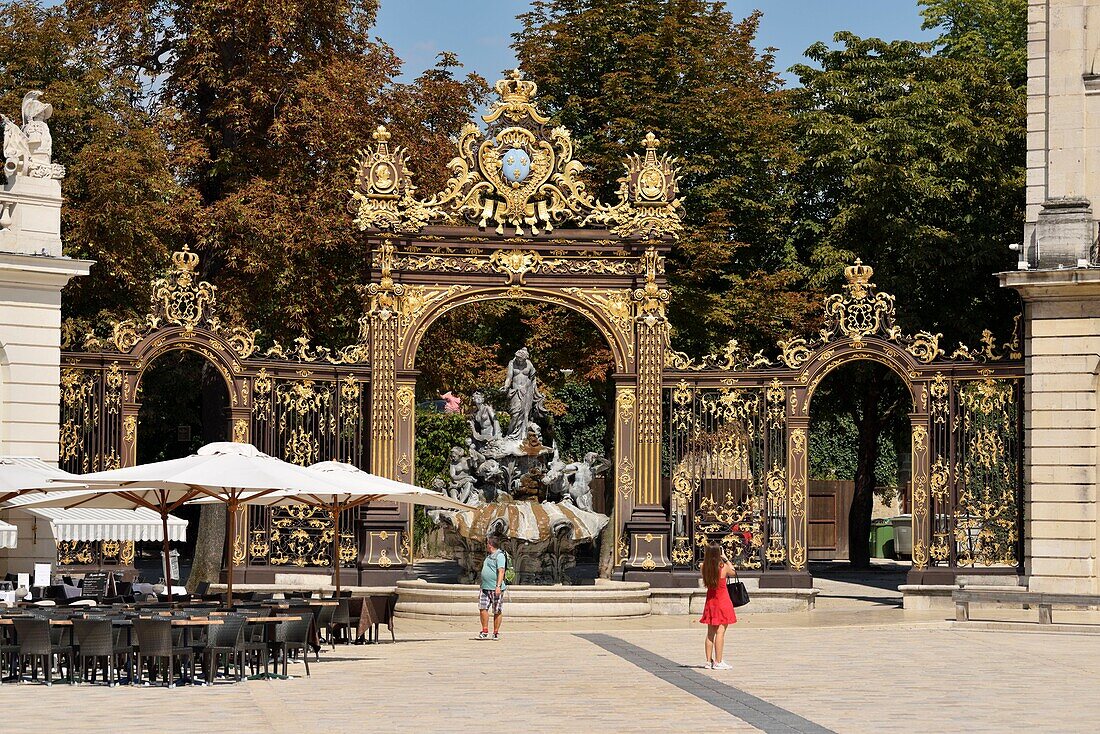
pixel 522 176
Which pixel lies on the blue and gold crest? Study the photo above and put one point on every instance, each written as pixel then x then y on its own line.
pixel 515 165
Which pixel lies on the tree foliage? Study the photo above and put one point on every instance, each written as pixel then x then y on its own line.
pixel 231 127
pixel 612 70
pixel 912 159
pixel 995 30
pixel 468 349
pixel 914 162
pixel 123 208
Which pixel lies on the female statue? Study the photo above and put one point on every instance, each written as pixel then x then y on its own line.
pixel 484 426
pixel 524 397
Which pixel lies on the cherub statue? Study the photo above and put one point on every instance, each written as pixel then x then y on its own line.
pixel 579 476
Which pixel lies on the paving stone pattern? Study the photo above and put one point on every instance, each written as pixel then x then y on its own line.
pixel 845 673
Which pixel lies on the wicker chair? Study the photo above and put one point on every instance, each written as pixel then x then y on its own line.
pixel 226 642
pixel 35 643
pixel 292 636
pixel 155 643
pixel 340 622
pixel 95 639
pixel 9 651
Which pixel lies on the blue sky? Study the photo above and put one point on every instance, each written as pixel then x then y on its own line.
pixel 479 31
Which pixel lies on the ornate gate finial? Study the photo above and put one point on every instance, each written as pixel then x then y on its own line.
pixel 858 276
pixel 517 100
pixel 522 177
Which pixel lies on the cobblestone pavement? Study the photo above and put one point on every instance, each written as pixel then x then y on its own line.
pixel 857 670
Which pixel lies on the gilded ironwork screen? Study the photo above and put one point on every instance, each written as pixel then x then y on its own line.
pixel 736 447
pixel 726 466
pixel 303 404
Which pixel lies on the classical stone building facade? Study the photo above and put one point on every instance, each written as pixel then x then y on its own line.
pixel 33 271
pixel 1059 281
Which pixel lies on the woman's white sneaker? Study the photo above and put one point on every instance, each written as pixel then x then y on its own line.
pixel 722 666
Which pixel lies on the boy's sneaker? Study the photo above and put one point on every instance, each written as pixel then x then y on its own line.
pixel 496 635
pixel 483 635
pixel 722 666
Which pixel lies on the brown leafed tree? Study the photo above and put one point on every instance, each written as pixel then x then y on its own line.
pixel 263 108
pixel 231 126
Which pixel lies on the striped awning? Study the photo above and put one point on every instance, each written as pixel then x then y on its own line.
pixel 8 535
pixel 84 523
pixel 87 523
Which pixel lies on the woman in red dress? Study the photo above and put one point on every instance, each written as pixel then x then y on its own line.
pixel 718 611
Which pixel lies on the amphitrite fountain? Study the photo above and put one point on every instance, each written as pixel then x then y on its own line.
pixel 523 490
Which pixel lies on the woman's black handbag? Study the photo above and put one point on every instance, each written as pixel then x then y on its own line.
pixel 739 595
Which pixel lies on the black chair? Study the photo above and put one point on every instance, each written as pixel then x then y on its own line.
pixel 96 639
pixel 292 636
pixel 35 643
pixel 9 651
pixel 339 623
pixel 155 642
pixel 322 616
pixel 221 640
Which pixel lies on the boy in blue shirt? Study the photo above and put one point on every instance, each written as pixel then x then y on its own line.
pixel 492 588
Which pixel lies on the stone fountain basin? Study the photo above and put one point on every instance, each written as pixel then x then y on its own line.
pixel 605 600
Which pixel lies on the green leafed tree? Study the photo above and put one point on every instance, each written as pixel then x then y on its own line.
pixel 687 70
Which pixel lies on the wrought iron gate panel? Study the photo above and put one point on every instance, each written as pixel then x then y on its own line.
pixel 303 404
pixel 91 431
pixel 308 417
pixel 988 481
pixel 732 419
pixel 726 465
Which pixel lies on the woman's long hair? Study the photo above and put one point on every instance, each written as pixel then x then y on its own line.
pixel 712 559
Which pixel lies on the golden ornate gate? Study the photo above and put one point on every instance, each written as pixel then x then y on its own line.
pixel 301 403
pixel 709 450
pixel 738 442
pixel 515 221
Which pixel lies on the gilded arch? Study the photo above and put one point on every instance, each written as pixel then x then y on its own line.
pixel 613 321
pixel 516 221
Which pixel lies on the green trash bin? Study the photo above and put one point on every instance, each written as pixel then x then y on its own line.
pixel 882 539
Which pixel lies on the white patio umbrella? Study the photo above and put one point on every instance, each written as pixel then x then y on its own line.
pixel 354 487
pixel 99 496
pixel 233 473
pixel 19 476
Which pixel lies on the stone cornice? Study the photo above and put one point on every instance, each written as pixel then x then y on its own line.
pixel 40 270
pixel 1055 284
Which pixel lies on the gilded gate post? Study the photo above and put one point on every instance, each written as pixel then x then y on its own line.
pixel 920 504
pixel 383 387
pixel 798 542
pixel 626 440
pixel 649 531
